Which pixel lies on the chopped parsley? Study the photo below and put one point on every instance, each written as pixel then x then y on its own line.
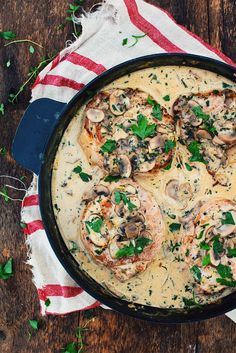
pixel 174 227
pixel 228 218
pixel 174 246
pixel 96 225
pixel 217 245
pixel 8 35
pixel 200 114
pixel 224 271
pixel 188 167
pixel 231 252
pixel 6 269
pixel 109 146
pixel 226 85
pixel 195 149
pixel 133 249
pixel 206 260
pixel 111 178
pixel 120 196
pixel 124 41
pixel 143 129
pixel 34 324
pixel 204 246
pixel 226 282
pixel 74 247
pixel 169 145
pixel 156 110
pixel 83 176
pixel 168 166
pixel 166 98
pixel 196 273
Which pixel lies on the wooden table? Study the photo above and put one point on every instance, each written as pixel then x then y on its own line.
pixel 214 21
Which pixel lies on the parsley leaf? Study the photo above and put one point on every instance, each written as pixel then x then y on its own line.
pixel 204 246
pixel 206 260
pixel 111 178
pixel 200 114
pixel 143 129
pixel 131 250
pixel 231 252
pixel 34 324
pixel 2 109
pixel 156 110
pixel 74 247
pixel 174 227
pixel 166 98
pixel 169 145
pixel 125 41
pixel 196 273
pixel 188 167
pixel 217 245
pixel 194 149
pixel 224 271
pixel 120 196
pixel 109 146
pixel 7 35
pixel 228 218
pixel 226 85
pixel 6 269
pixel 84 176
pixel 226 282
pixel 95 225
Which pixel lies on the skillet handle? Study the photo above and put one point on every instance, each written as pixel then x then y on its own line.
pixel 33 132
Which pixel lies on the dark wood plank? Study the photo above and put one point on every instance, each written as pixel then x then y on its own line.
pixel 214 21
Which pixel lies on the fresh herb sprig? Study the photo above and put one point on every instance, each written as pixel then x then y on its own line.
pixel 83 176
pixel 133 249
pixel 143 129
pixel 72 11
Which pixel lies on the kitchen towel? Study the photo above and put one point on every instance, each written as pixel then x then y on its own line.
pixel 99 47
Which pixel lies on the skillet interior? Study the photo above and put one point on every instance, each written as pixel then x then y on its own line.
pixel 72 267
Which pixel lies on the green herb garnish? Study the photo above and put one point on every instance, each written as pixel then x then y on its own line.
pixel 188 167
pixel 6 269
pixel 131 249
pixel 231 252
pixel 74 247
pixel 204 246
pixel 228 218
pixel 174 227
pixel 226 85
pixel 8 35
pixel 156 110
pixel 200 114
pixel 166 98
pixel 143 129
pixel 125 41
pixel 96 225
pixel 111 178
pixel 120 196
pixel 194 149
pixel 217 245
pixel 169 145
pixel 206 260
pixel 109 146
pixel 83 176
pixel 34 324
pixel 196 272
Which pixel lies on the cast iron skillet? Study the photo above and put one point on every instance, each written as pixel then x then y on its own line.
pixel 35 146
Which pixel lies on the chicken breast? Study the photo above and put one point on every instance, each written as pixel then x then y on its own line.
pixel 209 247
pixel 122 227
pixel 207 126
pixel 127 132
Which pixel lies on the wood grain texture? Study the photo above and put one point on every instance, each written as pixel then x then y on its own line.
pixel 212 20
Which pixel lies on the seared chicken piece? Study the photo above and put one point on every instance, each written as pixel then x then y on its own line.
pixel 210 246
pixel 208 126
pixel 122 227
pixel 126 132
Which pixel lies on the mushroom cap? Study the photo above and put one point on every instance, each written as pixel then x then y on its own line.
pixel 95 115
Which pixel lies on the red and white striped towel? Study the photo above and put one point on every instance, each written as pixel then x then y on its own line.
pixel 98 48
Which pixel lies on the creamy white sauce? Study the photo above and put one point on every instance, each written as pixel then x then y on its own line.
pixel 166 281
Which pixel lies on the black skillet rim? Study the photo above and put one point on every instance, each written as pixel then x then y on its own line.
pixel 144 312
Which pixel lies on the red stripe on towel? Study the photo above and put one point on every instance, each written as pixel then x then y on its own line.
pixel 33 227
pixel 89 64
pixel 60 81
pixel 153 33
pixel 32 200
pixel 55 290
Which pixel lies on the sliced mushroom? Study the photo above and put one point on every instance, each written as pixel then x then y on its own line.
pixel 132 230
pixel 157 142
pixel 146 166
pixel 113 248
pixel 217 141
pixel 120 210
pixel 130 189
pixel 221 179
pixel 202 135
pixel 119 102
pixel 196 122
pixel 172 188
pixel 95 115
pixel 225 230
pixel 135 201
pixel 215 259
pixel 228 139
pixel 101 190
pixel 124 166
